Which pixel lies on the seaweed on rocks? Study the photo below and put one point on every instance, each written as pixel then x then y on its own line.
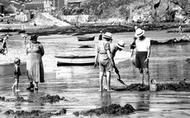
pixel 18 99
pixel 34 113
pixel 51 99
pixel 133 87
pixel 113 109
pixel 43 99
pixel 179 86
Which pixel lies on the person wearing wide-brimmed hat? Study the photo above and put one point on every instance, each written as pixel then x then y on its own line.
pixel 142 53
pixel 104 59
pixel 120 45
pixel 114 47
pixel 35 70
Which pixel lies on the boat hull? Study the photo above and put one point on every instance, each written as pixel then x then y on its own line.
pixel 86 38
pixel 8 68
pixel 75 60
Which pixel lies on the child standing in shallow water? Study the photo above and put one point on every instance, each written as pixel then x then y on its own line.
pixel 17 74
pixel 104 59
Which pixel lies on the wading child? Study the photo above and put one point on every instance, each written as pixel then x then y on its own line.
pixel 104 59
pixel 17 74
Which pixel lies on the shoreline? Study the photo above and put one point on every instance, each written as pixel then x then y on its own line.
pixel 89 28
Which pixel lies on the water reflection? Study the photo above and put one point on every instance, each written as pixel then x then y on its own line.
pixel 143 103
pixel 36 102
pixel 17 103
pixel 105 98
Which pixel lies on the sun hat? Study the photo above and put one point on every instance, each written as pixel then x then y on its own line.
pixel 121 44
pixel 139 32
pixel 17 61
pixel 107 35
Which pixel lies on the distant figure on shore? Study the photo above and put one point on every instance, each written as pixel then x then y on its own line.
pixel 100 35
pixel 135 27
pixel 180 30
pixel 35 69
pixel 17 74
pixel 4 49
pixel 141 52
pixel 24 35
pixel 104 59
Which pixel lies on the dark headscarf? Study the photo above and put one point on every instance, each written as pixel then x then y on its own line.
pixel 34 37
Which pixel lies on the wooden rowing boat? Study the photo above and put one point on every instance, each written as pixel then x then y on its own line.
pixel 75 60
pixel 8 68
pixel 86 38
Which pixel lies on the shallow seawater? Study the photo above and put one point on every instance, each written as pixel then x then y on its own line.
pixel 79 84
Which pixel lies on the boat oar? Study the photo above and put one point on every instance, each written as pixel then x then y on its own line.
pixel 119 77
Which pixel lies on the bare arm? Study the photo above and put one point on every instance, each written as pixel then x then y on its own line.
pixel 110 57
pixel 149 51
pixel 96 57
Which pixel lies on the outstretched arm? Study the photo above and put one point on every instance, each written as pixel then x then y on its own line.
pixel 96 57
pixel 111 57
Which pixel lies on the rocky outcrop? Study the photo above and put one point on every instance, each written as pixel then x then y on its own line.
pixel 157 10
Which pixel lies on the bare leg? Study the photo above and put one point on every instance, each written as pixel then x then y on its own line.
pixel 105 81
pixel 142 75
pixel 148 76
pixel 31 85
pixel 36 85
pixel 101 74
pixel 108 80
pixel 13 87
pixel 17 85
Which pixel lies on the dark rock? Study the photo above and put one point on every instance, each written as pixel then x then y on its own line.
pixel 2 98
pixel 44 99
pixel 113 109
pixel 51 99
pixel 188 60
pixel 61 112
pixel 76 113
pixel 180 86
pixel 8 112
pixel 133 87
pixel 34 113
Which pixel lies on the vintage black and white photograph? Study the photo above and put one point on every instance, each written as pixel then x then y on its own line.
pixel 94 58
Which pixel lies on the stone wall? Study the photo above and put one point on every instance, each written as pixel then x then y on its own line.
pixel 75 18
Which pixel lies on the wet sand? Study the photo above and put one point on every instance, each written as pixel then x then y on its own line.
pixel 79 85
